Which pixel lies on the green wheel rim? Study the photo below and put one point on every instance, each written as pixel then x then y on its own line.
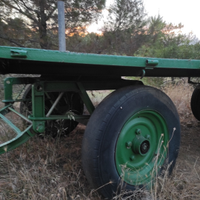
pixel 141 147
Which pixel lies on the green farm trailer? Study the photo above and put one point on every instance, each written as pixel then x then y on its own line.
pixel 132 135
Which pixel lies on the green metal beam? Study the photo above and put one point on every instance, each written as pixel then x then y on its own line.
pixel 83 59
pixel 86 99
pixel 21 136
pixel 38 106
pixel 58 117
pixel 8 86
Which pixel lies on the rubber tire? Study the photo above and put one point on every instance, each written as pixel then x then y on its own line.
pixel 103 129
pixel 195 102
pixel 67 126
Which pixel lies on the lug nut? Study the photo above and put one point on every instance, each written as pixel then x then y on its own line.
pixel 138 131
pixel 147 137
pixel 132 158
pixel 129 144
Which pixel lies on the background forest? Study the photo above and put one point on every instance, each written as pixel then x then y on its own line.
pixel 126 31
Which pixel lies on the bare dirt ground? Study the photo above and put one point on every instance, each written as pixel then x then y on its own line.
pixel 50 168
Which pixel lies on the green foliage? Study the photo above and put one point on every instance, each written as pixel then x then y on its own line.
pixel 167 41
pixel 40 16
pixel 123 32
pixel 127 31
pixel 124 29
pixel 15 32
pixel 125 15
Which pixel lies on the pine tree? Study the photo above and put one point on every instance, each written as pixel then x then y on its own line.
pixel 41 15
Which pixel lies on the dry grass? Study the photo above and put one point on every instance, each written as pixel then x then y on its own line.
pixel 50 168
pixel 45 168
pixel 180 92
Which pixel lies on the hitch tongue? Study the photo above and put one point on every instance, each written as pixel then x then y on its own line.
pixel 20 136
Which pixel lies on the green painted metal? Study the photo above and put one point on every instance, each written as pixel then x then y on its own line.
pixel 94 59
pixel 17 141
pixel 141 147
pixel 38 102
pixel 38 106
pixel 37 61
pixel 18 53
pixel 78 72
pixel 39 89
pixel 21 136
pixel 57 117
pixel 8 87
pixel 37 119
pixel 88 103
pixel 152 62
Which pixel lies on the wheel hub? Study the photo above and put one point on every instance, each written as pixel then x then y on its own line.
pixel 144 148
pixel 141 145
pixel 141 137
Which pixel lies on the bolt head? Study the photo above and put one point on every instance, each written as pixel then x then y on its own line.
pixel 40 128
pixel 138 131
pixel 147 137
pixel 132 158
pixel 128 144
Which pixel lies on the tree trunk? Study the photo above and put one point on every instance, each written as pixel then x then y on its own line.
pixel 43 26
